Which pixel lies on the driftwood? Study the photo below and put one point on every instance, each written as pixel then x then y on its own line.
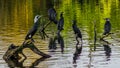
pixel 12 63
pixel 42 30
pixel 14 51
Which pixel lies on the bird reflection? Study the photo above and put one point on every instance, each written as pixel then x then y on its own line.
pixel 77 53
pixel 37 61
pixel 60 41
pixel 16 63
pixel 78 34
pixel 53 42
pixel 107 50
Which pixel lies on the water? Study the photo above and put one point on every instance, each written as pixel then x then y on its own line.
pixel 16 18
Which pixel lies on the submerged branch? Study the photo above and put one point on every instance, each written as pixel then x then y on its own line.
pixel 14 51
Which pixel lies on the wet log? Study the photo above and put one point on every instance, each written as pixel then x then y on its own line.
pixel 14 51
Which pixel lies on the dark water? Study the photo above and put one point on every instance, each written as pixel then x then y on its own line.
pixel 16 17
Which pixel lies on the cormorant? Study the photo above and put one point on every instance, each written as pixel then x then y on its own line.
pixel 107 26
pixel 76 31
pixel 61 22
pixel 33 30
pixel 52 15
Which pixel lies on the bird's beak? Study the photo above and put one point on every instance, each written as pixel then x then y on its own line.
pixel 39 16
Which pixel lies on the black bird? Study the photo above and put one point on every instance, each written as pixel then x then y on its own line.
pixel 76 31
pixel 33 30
pixel 52 15
pixel 107 26
pixel 61 22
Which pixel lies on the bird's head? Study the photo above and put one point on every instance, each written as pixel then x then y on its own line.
pixel 107 19
pixel 37 17
pixel 61 14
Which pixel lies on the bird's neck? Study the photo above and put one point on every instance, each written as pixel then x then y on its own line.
pixel 35 20
pixel 36 24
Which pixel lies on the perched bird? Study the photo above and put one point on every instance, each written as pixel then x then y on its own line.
pixel 107 26
pixel 76 31
pixel 33 30
pixel 61 22
pixel 52 15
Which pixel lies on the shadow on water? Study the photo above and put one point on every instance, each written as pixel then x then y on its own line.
pixel 16 63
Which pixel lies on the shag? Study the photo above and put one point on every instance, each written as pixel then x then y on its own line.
pixel 52 15
pixel 107 26
pixel 76 31
pixel 61 22
pixel 33 30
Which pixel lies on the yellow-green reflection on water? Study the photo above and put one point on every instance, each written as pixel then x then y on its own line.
pixel 16 18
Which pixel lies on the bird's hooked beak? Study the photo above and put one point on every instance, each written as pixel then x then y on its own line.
pixel 37 17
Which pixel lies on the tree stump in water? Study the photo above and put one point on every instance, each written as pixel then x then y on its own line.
pixel 14 51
